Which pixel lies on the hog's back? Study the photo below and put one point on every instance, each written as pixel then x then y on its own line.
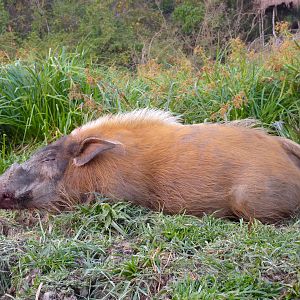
pixel 213 168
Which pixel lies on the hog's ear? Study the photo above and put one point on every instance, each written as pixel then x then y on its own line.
pixel 90 148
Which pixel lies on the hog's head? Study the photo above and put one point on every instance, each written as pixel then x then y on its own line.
pixel 52 177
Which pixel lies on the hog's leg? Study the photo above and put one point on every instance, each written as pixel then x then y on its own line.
pixel 268 200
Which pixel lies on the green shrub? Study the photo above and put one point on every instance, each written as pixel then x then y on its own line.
pixel 189 15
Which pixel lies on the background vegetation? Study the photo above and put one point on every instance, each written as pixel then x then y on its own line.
pixel 195 58
pixel 130 32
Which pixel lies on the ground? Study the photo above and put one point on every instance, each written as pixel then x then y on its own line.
pixel 119 251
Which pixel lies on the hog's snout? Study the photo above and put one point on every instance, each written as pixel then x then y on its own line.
pixel 7 200
pixel 7 196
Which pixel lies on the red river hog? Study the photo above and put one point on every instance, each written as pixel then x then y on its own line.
pixel 149 158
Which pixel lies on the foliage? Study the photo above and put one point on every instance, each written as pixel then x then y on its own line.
pixel 34 97
pixel 189 15
pixel 48 97
pixel 4 17
pixel 127 32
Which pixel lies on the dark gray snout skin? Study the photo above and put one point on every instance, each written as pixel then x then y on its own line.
pixel 7 200
pixel 36 182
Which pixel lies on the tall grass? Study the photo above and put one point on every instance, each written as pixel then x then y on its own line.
pixel 34 97
pixel 48 97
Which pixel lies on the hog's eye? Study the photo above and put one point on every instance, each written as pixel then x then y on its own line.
pixel 47 159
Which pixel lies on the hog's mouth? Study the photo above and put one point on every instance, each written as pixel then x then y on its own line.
pixel 8 200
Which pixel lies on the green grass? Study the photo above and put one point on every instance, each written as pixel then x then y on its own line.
pixel 44 99
pixel 118 251
pixel 34 102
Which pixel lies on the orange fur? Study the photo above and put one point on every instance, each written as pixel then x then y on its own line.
pixel 161 164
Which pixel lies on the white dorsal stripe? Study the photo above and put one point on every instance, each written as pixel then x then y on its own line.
pixel 138 116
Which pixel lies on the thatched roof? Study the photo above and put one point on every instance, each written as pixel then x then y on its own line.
pixel 264 4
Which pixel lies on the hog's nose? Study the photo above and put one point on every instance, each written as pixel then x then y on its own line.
pixel 6 196
pixel 6 199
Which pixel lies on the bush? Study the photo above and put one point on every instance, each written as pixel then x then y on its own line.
pixel 189 16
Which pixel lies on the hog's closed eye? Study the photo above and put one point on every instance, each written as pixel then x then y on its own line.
pixel 46 159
